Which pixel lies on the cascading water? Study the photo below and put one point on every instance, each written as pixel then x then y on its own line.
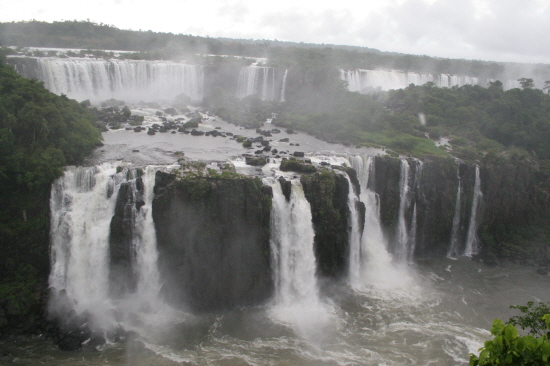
pixel 472 241
pixel 370 263
pixel 292 246
pixel 83 203
pixel 296 301
pixel 402 239
pixel 283 88
pixel 256 80
pixel 365 80
pixel 453 245
pixel 354 237
pixel 129 80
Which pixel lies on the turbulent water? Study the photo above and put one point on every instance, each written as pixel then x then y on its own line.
pixel 435 314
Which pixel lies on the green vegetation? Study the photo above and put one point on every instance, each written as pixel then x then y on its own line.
pixel 40 133
pixel 509 348
pixel 532 320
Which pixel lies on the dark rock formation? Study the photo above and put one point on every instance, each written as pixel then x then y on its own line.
pixel 213 241
pixel 327 193
pixel 121 246
pixel 295 165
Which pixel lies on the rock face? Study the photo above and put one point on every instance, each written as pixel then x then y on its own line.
pixel 516 212
pixel 327 193
pixel 121 273
pixel 213 241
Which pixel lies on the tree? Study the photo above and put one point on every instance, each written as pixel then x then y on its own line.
pixel 526 83
pixel 532 320
pixel 547 86
pixel 509 348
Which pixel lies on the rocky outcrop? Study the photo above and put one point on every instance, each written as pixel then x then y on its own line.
pixel 121 240
pixel 213 241
pixel 327 193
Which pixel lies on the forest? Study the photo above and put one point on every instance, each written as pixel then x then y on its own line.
pixel 40 133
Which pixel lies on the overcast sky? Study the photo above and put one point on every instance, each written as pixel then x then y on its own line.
pixel 499 30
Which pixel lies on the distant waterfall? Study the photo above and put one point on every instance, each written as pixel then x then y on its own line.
pixel 83 204
pixel 128 80
pixel 283 88
pixel 363 81
pixel 256 80
pixel 472 241
pixel 370 260
pixel 292 236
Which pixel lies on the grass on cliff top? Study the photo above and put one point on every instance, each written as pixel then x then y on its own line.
pixel 401 142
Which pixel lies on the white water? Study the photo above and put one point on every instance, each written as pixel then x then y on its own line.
pixel 256 80
pixel 355 233
pixel 472 241
pixel 453 245
pixel 402 248
pixel 128 80
pixel 375 271
pixel 82 206
pixel 296 301
pixel 283 88
pixel 360 80
pixel 292 246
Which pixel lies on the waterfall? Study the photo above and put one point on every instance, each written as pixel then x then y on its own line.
pixel 354 237
pixel 402 234
pixel 256 80
pixel 83 203
pixel 147 255
pixel 453 246
pixel 283 88
pixel 292 236
pixel 363 81
pixel 128 80
pixel 370 263
pixel 472 241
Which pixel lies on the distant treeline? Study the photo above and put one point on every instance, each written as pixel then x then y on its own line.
pixel 155 45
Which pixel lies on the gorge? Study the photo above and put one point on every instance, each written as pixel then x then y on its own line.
pixel 169 249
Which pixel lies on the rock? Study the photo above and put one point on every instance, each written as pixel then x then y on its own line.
pixel 299 154
pixel 296 166
pixel 255 161
pixel 137 129
pixel 151 131
pixel 286 187
pixel 284 140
